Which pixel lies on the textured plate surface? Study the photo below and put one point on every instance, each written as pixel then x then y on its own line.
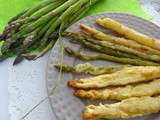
pixel 64 104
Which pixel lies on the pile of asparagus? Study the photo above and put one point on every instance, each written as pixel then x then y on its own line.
pixel 37 28
pixel 106 53
pixel 115 49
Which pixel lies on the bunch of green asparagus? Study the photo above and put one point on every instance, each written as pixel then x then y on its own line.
pixel 37 28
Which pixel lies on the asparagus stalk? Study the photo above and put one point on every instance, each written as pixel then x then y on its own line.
pixel 79 13
pixel 40 13
pixel 37 35
pixel 26 17
pixel 17 16
pixel 88 57
pixel 48 16
pixel 45 50
pixel 42 32
pixel 34 56
pixel 7 44
pixel 88 68
pixel 124 49
pixel 107 50
pixel 64 16
pixel 22 49
pixel 47 9
pixel 37 7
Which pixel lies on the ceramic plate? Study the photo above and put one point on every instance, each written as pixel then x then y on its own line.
pixel 64 104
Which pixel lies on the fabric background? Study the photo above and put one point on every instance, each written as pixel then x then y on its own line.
pixel 9 8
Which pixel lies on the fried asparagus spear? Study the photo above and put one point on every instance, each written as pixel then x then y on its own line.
pixel 120 93
pixel 129 108
pixel 125 76
pixel 118 40
pixel 111 48
pixel 88 68
pixel 129 32
pixel 100 56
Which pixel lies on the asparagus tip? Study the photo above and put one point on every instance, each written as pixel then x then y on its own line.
pixel 68 50
pixel 29 57
pixel 18 59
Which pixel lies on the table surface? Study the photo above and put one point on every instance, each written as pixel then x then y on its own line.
pixel 4 114
pixel 150 6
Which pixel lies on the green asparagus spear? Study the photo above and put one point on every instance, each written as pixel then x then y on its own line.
pixel 48 16
pixel 9 42
pixel 114 47
pixel 88 57
pixel 79 13
pixel 39 13
pixel 64 16
pixel 50 45
pixel 30 39
pixel 45 50
pixel 79 38
pixel 17 16
pixel 43 30
pixel 82 11
pixel 37 7
pixel 124 49
pixel 88 68
pixel 24 18
pixel 34 56
pixel 47 9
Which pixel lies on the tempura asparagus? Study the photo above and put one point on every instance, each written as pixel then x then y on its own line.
pixel 100 56
pixel 129 33
pixel 120 93
pixel 118 40
pixel 88 68
pixel 129 108
pixel 125 76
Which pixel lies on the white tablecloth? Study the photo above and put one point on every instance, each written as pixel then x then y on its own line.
pixel 27 85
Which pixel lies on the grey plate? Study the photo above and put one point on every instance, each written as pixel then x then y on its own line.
pixel 64 104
